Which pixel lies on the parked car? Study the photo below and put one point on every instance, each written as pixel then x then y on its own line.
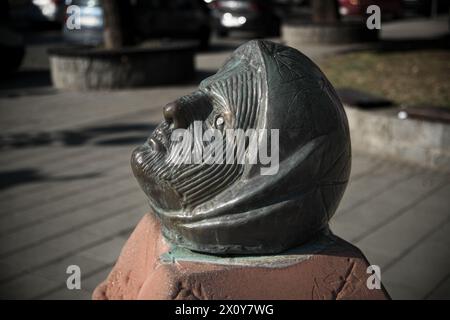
pixel 51 10
pixel 32 13
pixel 90 30
pixel 285 9
pixel 246 15
pixel 357 8
pixel 180 19
pixel 173 19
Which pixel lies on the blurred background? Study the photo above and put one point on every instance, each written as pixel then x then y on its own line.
pixel 83 82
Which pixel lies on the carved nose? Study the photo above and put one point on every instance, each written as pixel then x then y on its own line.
pixel 173 114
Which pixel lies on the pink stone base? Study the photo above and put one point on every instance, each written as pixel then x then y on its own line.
pixel 338 272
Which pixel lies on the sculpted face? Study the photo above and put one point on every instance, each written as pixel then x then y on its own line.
pixel 218 104
pixel 232 207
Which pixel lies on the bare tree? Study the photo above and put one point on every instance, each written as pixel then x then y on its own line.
pixel 118 27
pixel 325 11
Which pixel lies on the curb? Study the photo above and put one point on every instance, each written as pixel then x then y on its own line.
pixel 380 132
pixel 298 34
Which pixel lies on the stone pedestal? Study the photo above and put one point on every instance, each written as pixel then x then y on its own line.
pixel 336 271
pixel 91 68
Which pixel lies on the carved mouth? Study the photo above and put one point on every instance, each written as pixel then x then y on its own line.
pixel 159 140
pixel 157 143
pixel 160 193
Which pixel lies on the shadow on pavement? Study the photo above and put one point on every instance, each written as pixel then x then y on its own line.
pixel 12 178
pixel 27 79
pixel 111 135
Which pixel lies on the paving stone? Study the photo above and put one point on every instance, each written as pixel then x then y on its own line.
pixel 423 268
pixel 362 165
pixel 16 158
pixel 442 235
pixel 57 271
pixel 32 113
pixel 7 270
pixel 57 185
pixel 347 231
pixel 442 292
pixel 29 259
pixel 66 294
pixel 26 287
pixel 377 257
pixel 61 224
pixel 86 197
pixel 405 230
pixel 106 252
pixel 367 187
pixel 93 281
pixel 54 250
pixel 386 205
pixel 124 221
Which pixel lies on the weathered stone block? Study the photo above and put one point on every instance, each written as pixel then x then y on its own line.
pixel 338 271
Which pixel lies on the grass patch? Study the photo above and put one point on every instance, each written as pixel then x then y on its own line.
pixel 414 78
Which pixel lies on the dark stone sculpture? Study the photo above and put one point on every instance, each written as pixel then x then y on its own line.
pixel 271 224
pixel 235 208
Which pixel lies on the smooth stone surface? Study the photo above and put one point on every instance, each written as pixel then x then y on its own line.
pixel 337 272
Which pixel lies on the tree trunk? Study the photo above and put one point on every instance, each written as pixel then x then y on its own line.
pixel 325 11
pixel 118 31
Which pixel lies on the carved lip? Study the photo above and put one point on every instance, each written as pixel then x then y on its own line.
pixel 137 159
pixel 155 144
pixel 158 140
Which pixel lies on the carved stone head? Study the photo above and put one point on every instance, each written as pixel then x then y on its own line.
pixel 223 208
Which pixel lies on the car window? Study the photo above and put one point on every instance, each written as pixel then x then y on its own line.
pixel 84 3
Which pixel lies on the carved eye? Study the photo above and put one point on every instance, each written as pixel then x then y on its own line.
pixel 219 123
